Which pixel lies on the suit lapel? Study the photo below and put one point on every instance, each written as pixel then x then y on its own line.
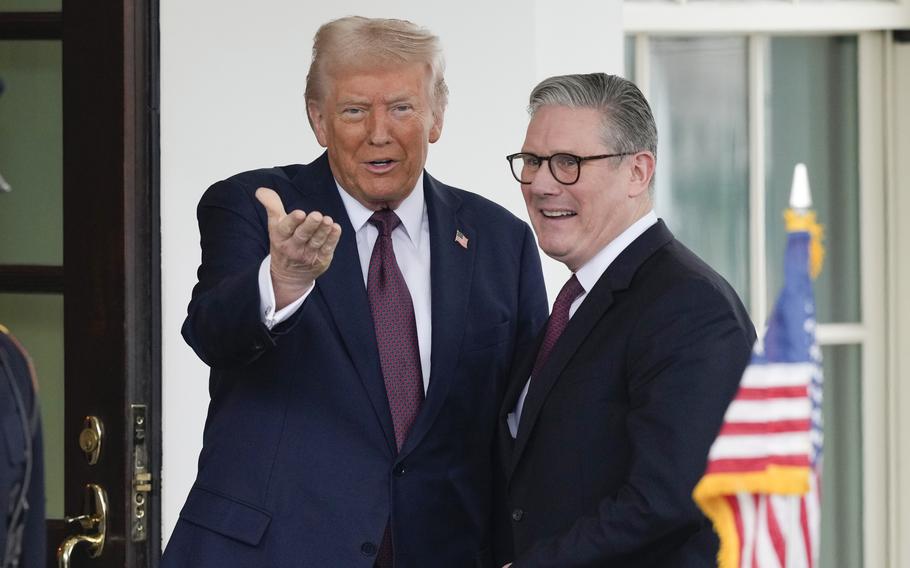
pixel 617 277
pixel 341 286
pixel 451 270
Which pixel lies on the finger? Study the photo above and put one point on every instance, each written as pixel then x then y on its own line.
pixel 269 199
pixel 322 233
pixel 304 231
pixel 328 248
pixel 288 224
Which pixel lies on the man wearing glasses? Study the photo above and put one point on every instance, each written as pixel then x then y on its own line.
pixel 606 426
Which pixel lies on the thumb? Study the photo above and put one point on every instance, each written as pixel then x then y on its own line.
pixel 274 208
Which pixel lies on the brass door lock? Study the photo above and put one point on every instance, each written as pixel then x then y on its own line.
pixel 90 439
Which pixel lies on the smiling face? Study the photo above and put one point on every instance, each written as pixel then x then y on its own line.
pixel 574 222
pixel 377 125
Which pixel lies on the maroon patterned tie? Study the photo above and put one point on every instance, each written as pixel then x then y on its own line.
pixel 396 338
pixel 558 320
pixel 396 330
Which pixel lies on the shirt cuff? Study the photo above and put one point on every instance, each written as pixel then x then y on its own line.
pixel 267 312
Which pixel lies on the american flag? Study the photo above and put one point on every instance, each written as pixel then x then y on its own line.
pixel 461 239
pixel 762 487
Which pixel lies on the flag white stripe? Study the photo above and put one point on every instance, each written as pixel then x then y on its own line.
pixel 756 446
pixel 769 410
pixel 764 548
pixel 769 375
pixel 813 514
pixel 787 511
pixel 747 517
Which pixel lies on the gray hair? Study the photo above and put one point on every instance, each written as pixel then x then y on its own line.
pixel 628 125
pixel 370 42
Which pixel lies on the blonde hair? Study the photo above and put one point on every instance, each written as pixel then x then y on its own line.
pixel 359 41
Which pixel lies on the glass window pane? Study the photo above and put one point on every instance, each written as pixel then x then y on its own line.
pixel 629 57
pixel 30 5
pixel 842 474
pixel 31 153
pixel 37 322
pixel 699 98
pixel 812 117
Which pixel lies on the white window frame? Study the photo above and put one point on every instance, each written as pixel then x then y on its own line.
pixel 783 16
pixel 757 21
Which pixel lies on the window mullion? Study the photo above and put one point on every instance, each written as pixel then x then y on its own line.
pixel 758 278
pixel 643 64
pixel 878 415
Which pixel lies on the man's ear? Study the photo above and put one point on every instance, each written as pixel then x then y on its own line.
pixel 641 172
pixel 317 121
pixel 436 127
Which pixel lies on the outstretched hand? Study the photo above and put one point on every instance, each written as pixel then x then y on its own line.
pixel 301 245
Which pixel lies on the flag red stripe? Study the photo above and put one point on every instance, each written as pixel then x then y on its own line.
pixel 804 525
pixel 775 427
pixel 745 465
pixel 752 393
pixel 777 539
pixel 738 521
pixel 755 501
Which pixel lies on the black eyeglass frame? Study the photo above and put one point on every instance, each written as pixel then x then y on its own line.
pixel 549 161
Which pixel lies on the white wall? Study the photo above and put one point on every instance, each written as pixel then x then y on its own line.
pixel 232 82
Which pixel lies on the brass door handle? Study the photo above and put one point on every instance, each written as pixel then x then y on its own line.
pixel 93 525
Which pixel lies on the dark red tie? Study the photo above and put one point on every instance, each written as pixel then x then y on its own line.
pixel 396 338
pixel 558 320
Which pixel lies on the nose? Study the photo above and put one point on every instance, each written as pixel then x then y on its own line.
pixel 378 129
pixel 543 183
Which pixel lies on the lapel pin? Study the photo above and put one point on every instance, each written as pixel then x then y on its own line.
pixel 461 239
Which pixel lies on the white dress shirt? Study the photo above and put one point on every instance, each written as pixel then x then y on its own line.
pixel 411 242
pixel 588 275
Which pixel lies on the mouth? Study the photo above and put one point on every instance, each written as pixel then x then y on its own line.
pixel 557 213
pixel 380 166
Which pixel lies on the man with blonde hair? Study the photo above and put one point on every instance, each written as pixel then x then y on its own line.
pixel 358 343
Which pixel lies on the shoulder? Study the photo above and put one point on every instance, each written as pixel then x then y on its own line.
pixel 675 268
pixel 676 283
pixel 16 358
pixel 251 180
pixel 479 209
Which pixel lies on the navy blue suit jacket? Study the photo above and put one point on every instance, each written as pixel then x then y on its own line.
pixel 299 466
pixel 21 460
pixel 616 426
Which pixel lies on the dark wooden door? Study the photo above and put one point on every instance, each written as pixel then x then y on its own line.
pixel 83 206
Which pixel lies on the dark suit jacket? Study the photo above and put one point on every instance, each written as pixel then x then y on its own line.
pixel 299 466
pixel 21 461
pixel 616 427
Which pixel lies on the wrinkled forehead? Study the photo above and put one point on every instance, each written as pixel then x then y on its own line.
pixel 384 80
pixel 557 128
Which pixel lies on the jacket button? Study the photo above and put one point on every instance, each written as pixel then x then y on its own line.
pixel 399 470
pixel 368 548
pixel 517 515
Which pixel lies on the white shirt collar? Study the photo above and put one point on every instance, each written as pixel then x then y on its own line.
pixel 590 273
pixel 410 211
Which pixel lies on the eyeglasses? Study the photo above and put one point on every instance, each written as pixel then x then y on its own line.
pixel 566 168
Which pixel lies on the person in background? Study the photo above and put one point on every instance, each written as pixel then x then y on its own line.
pixel 606 424
pixel 22 536
pixel 359 318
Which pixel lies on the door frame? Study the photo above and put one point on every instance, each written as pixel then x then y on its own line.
pixel 111 207
pixel 110 278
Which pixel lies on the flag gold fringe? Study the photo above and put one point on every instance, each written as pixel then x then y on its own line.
pixel 711 492
pixel 796 221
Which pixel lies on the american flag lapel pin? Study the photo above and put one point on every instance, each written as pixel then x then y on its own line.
pixel 461 239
